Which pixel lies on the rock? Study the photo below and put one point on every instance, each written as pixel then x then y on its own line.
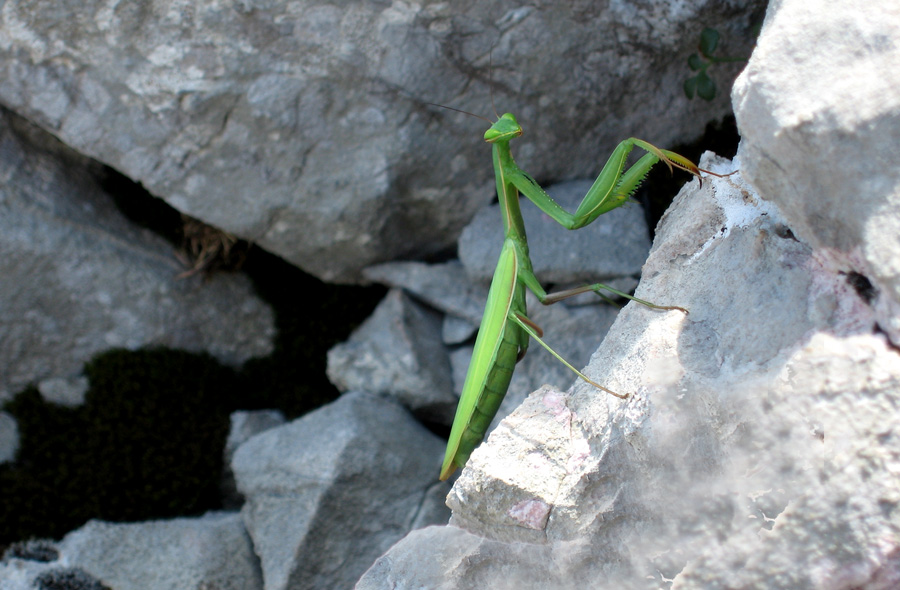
pixel 445 287
pixel 211 551
pixel 244 424
pixel 434 508
pixel 557 449
pixel 18 574
pixel 36 550
pixel 477 563
pixel 80 278
pixel 305 127
pixel 819 502
pixel 331 491
pixel 456 331
pixel 444 558
pixel 398 352
pixel 9 438
pixel 68 577
pixel 817 108
pixel 26 562
pixel 64 391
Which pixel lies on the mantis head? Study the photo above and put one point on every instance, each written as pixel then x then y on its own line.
pixel 504 129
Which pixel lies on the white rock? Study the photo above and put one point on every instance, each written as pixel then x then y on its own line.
pixel 817 109
pixel 756 449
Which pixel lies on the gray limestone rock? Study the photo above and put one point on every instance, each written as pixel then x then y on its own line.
pixel 79 278
pixel 244 424
pixel 398 351
pixel 305 127
pixel 211 551
pixel 445 287
pixel 755 450
pixel 331 491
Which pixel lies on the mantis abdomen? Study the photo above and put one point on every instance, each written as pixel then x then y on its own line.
pixel 492 394
pixel 497 348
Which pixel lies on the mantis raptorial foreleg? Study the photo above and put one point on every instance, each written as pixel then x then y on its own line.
pixel 505 328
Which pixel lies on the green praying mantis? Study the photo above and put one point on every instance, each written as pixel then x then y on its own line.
pixel 505 329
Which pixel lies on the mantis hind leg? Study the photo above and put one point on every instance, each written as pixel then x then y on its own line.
pixel 532 330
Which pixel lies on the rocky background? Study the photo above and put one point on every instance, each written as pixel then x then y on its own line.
pixel 757 448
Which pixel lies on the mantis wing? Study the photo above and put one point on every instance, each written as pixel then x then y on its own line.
pixel 484 358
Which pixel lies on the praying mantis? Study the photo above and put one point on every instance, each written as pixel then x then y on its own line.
pixel 505 328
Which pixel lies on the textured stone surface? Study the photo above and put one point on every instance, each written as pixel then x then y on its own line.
pixel 398 352
pixel 445 287
pixel 244 424
pixel 212 551
pixel 817 108
pixel 465 560
pixel 79 278
pixel 304 126
pixel 560 461
pixel 331 491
